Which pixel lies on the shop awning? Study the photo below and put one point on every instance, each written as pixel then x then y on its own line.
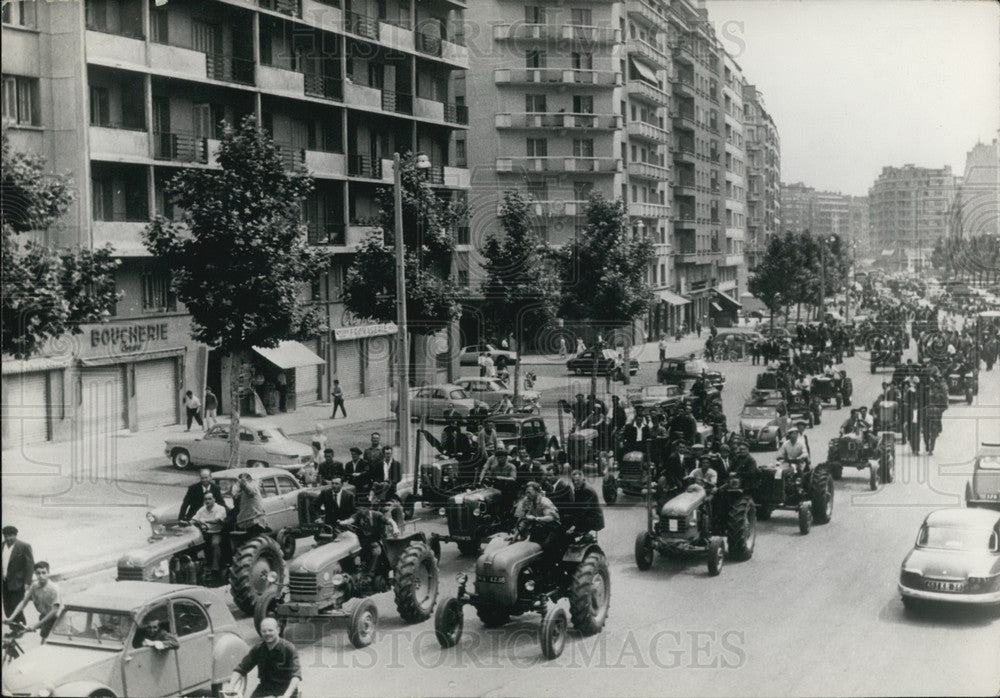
pixel 39 363
pixel 672 298
pixel 645 72
pixel 716 307
pixel 726 300
pixel 290 354
pixel 131 357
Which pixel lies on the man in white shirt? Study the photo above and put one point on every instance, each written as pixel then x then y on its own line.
pixel 212 518
pixel 793 451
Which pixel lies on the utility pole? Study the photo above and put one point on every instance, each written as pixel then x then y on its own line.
pixel 402 353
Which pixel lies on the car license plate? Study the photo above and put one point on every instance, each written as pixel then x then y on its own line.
pixel 672 525
pixel 935 585
pixel 777 474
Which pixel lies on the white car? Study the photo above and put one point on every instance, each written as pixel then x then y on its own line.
pixel 261 444
pixel 492 390
pixel 433 401
pixel 501 357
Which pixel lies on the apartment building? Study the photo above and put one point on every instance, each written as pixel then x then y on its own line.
pixel 909 210
pixel 859 231
pixel 763 149
pixel 122 94
pixel 822 213
pixel 976 207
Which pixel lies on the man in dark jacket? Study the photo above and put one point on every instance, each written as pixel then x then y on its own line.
pixel 194 498
pixel 912 404
pixel 684 426
pixel 336 503
pixel 586 514
pixel 329 468
pixel 18 571
pixel 389 471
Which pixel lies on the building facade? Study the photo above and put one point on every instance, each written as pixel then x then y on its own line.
pixel 909 210
pixel 122 94
pixel 763 147
pixel 976 208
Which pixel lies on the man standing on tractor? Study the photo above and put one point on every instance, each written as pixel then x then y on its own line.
pixel 372 527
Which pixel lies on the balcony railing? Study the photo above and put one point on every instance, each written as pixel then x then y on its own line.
pixel 322 86
pixel 435 174
pixel 285 7
pixel 229 68
pixel 555 76
pixel 290 157
pixel 179 146
pixel 326 234
pixel 456 114
pixel 123 29
pixel 399 102
pixel 651 132
pixel 362 25
pixel 648 93
pixel 426 43
pixel 364 166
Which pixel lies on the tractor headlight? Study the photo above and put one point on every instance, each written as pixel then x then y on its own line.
pixel 45 692
pixel 272 577
pixel 150 517
pixel 159 530
pixel 338 580
pixel 461 578
pixel 162 569
pixel 529 585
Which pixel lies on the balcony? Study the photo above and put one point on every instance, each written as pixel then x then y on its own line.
pixel 651 53
pixel 178 61
pixel 591 35
pixel 362 96
pixel 285 7
pixel 526 32
pixel 562 120
pixel 682 85
pixel 428 44
pixel 428 109
pixel 116 50
pixel 322 14
pixel 228 68
pixel 648 132
pixel 324 164
pixel 179 146
pixel 647 170
pixel 125 237
pixel 642 90
pixel 555 77
pixel 684 53
pixel 362 25
pixel 118 143
pixel 364 166
pixel 647 12
pixel 685 154
pixel 357 233
pixel 280 80
pixel 398 37
pixel 580 165
pixel 685 188
pixel 456 114
pixel 552 208
pixel 334 234
pixel 324 87
pixel 639 209
pixel 455 177
pixel 684 121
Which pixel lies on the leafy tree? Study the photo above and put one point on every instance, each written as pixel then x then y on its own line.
pixel 239 255
pixel 603 271
pixel 769 282
pixel 432 299
pixel 520 287
pixel 47 292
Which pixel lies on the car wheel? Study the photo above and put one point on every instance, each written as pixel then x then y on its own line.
pixel 180 458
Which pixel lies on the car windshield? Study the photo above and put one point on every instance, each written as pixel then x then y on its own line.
pixel 989 463
pixel 659 391
pixel 951 538
pixel 93 628
pixel 459 395
pixel 759 412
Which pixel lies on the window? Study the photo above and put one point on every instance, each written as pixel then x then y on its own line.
pixel 460 155
pixel 583 147
pixel 582 190
pixel 286 485
pixel 189 618
pixel 581 17
pixel 535 103
pixel 535 59
pixel 534 14
pixel 268 488
pixel 20 101
pixel 159 26
pixel 583 104
pixel 583 61
pixel 20 14
pixel 100 106
pixel 157 296
pixel 537 148
pixel 158 613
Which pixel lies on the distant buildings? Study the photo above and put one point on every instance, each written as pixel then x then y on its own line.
pixel 909 210
pixel 764 175
pixel 976 207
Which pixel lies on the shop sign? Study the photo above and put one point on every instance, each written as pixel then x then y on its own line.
pixel 129 337
pixel 361 331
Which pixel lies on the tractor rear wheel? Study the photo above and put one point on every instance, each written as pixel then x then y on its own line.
pixel 821 494
pixel 258 567
pixel 763 512
pixel 741 529
pixel 590 594
pixel 837 471
pixel 416 583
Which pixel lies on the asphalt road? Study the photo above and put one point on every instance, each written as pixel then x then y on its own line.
pixel 807 615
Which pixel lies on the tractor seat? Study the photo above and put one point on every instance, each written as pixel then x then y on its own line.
pixel 686 502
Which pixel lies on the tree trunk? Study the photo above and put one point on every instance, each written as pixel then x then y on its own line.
pixel 517 364
pixel 235 372
pixel 798 311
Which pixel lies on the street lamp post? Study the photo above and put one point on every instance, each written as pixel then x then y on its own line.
pixel 403 354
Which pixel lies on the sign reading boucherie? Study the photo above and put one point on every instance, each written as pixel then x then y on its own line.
pixel 128 335
pixel 361 331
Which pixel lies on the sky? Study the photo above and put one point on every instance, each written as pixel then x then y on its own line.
pixel 854 86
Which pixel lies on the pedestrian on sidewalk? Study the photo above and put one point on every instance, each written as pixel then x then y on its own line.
pixel 192 406
pixel 663 347
pixel 562 348
pixel 338 399
pixel 580 346
pixel 697 328
pixel 18 566
pixel 211 409
pixel 45 595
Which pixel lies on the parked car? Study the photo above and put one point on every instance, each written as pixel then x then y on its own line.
pixel 956 559
pixel 983 490
pixel 492 390
pixel 434 401
pixel 655 398
pixel 527 432
pixel 608 362
pixel 680 368
pixel 96 645
pixel 501 357
pixel 261 444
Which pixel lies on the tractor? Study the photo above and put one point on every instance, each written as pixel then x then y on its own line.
pixel 877 455
pixel 808 491
pixel 514 576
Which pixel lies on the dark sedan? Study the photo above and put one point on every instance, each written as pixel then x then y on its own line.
pixel 608 362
